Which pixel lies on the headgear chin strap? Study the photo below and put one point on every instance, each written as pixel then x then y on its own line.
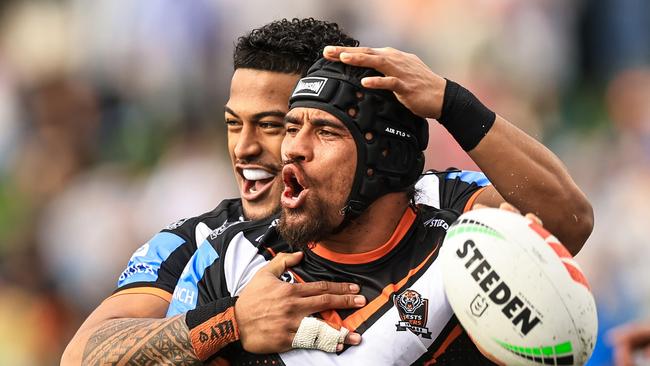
pixel 389 137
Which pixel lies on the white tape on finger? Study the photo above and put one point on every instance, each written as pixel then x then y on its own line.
pixel 316 334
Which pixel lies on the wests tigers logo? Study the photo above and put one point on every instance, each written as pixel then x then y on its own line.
pixel 413 312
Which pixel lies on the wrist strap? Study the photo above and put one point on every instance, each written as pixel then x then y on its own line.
pixel 464 116
pixel 212 327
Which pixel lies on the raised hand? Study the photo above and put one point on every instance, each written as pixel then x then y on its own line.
pixel 415 85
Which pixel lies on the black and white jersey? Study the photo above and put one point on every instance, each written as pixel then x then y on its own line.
pixel 407 318
pixel 156 266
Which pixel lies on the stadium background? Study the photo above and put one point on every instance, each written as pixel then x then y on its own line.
pixel 111 127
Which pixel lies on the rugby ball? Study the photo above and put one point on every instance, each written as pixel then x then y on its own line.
pixel 517 290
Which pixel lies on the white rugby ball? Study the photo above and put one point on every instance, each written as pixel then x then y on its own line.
pixel 517 291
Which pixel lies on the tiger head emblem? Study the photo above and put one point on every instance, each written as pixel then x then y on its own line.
pixel 409 301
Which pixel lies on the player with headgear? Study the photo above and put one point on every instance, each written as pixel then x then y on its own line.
pixel 351 158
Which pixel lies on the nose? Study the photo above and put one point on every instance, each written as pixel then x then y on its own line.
pixel 247 145
pixel 298 146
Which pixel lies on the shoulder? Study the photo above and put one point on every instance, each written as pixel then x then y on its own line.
pixel 440 176
pixel 467 176
pixel 194 230
pixel 257 234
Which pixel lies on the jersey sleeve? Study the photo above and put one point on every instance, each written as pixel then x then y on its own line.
pixel 222 265
pixel 157 265
pixel 451 189
pixel 202 263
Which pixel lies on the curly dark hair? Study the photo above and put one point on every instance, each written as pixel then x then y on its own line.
pixel 289 46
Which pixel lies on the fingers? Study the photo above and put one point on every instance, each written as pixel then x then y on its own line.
pixel 333 52
pixel 353 339
pixel 508 207
pixel 379 59
pixel 318 303
pixel 325 287
pixel 363 60
pixel 316 334
pixel 387 82
pixel 278 265
pixel 534 218
pixel 478 206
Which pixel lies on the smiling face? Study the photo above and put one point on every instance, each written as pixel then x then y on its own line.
pixel 320 162
pixel 254 116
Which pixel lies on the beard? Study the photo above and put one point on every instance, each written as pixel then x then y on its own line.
pixel 312 222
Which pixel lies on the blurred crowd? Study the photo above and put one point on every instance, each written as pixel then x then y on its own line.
pixel 111 127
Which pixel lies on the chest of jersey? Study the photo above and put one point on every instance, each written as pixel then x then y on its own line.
pixel 407 314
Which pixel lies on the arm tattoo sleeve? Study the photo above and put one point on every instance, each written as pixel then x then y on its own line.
pixel 137 342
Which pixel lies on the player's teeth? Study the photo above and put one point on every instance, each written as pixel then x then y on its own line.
pixel 253 189
pixel 256 174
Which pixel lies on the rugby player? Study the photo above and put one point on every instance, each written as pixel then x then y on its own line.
pixel 349 214
pixel 268 62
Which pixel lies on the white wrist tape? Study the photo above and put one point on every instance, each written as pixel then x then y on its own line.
pixel 316 334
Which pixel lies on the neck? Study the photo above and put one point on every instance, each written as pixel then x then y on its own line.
pixel 372 229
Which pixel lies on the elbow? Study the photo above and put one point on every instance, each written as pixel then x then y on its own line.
pixel 67 358
pixel 72 353
pixel 581 219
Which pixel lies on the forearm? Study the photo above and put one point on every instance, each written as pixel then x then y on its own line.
pixel 134 342
pixel 528 175
pixel 523 171
pixel 141 341
pixel 185 339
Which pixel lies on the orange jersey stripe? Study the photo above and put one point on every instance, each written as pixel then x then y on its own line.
pixel 358 258
pixel 331 317
pixel 443 347
pixel 472 199
pixel 145 290
pixel 353 321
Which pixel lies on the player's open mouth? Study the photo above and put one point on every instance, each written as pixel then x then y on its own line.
pixel 295 189
pixel 256 182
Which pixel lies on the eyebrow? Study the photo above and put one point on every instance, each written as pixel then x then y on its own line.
pixel 317 122
pixel 258 116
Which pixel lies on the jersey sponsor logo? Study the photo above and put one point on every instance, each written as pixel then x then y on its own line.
pixel 310 86
pixel 184 295
pixel 437 223
pixel 218 231
pixel 135 269
pixel 175 224
pixel 413 311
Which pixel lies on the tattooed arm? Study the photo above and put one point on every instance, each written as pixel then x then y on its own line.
pixel 185 339
pixel 141 342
